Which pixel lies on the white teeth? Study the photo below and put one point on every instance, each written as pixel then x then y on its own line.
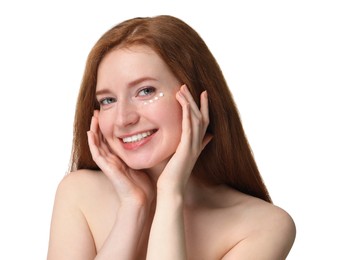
pixel 138 137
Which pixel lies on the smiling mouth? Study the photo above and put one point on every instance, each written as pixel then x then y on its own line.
pixel 138 137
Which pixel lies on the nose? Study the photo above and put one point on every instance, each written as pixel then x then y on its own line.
pixel 126 114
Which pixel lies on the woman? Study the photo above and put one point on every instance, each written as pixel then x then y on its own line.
pixel 161 167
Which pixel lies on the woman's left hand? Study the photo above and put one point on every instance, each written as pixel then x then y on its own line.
pixel 193 140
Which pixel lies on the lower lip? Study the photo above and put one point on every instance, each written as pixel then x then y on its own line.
pixel 138 144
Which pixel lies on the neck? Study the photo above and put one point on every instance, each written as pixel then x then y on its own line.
pixel 196 191
pixel 155 173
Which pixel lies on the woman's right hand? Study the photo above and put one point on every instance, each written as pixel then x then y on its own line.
pixel 134 188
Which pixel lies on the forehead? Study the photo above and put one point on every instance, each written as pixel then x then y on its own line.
pixel 130 63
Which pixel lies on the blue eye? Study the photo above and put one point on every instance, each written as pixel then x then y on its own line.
pixel 147 91
pixel 107 101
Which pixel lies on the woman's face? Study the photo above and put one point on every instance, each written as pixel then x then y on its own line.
pixel 139 117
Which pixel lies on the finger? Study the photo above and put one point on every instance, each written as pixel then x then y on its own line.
pixel 200 120
pixel 99 156
pixel 96 132
pixel 97 137
pixel 186 120
pixel 96 113
pixel 204 108
pixel 188 96
pixel 94 124
pixel 93 145
pixel 195 117
pixel 95 128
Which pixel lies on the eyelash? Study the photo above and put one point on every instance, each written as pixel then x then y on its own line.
pixel 109 100
pixel 151 90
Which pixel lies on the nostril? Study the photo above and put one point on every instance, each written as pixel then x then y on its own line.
pixel 125 119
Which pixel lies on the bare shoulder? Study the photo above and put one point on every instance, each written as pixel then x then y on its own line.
pixel 82 180
pixel 80 196
pixel 91 192
pixel 274 222
pixel 268 231
pixel 265 214
pixel 227 224
pixel 75 187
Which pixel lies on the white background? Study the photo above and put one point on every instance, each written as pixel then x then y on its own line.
pixel 283 61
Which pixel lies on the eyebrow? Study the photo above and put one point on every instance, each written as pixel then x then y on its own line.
pixel 130 85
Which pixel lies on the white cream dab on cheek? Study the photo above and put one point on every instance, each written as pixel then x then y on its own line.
pixel 154 99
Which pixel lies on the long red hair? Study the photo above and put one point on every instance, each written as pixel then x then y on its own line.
pixel 227 159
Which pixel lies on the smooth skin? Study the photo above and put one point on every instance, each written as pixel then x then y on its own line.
pixel 160 211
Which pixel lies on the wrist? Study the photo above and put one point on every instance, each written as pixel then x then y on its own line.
pixel 170 198
pixel 136 200
pixel 170 188
pixel 134 213
pixel 134 206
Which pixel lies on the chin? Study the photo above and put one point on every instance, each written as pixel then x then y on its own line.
pixel 149 166
pixel 137 165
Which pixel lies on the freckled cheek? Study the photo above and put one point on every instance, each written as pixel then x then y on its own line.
pixel 172 118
